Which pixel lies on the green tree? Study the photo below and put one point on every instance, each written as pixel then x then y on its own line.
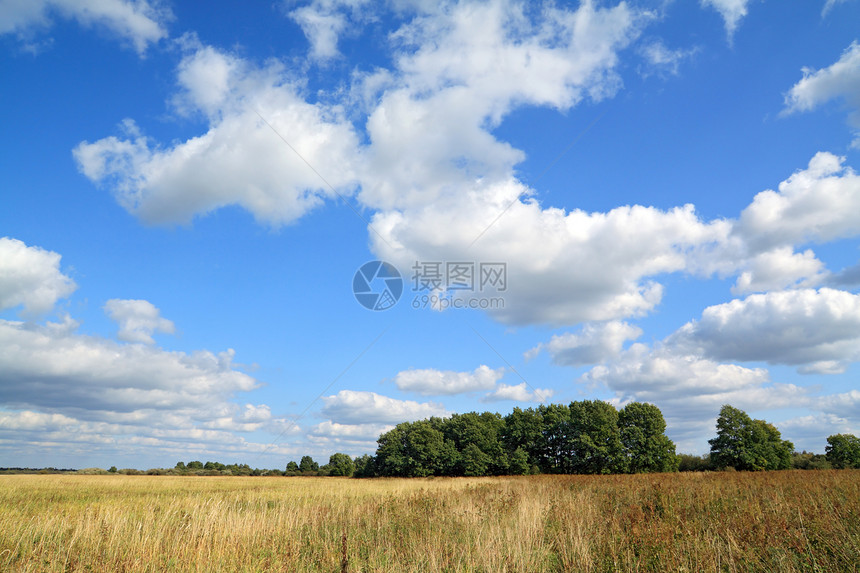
pixel 341 465
pixel 691 463
pixel 474 462
pixel 519 463
pixel 364 466
pixel 112 469
pixel 307 465
pixel 554 442
pixel 646 448
pixel 480 434
pixel 747 444
pixel 415 449
pixel 195 465
pixel 292 468
pixel 523 430
pixel 843 451
pixel 594 438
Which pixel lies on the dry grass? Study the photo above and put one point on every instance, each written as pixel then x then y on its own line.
pixel 781 521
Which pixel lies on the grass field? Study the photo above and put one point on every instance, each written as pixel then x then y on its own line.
pixel 778 521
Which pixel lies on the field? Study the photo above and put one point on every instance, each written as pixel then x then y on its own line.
pixel 776 521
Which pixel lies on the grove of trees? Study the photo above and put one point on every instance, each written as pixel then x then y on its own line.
pixel 746 444
pixel 589 437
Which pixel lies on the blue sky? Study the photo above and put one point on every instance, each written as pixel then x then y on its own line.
pixel 188 191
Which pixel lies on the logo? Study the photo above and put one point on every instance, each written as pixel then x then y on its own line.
pixel 377 285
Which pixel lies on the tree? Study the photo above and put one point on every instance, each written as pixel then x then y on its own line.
pixel 843 451
pixel 112 469
pixel 747 444
pixel 307 465
pixel 553 442
pixel 646 448
pixel 292 468
pixel 364 467
pixel 341 465
pixel 522 430
pixel 691 463
pixel 595 440
pixel 415 449
pixel 519 463
pixel 480 435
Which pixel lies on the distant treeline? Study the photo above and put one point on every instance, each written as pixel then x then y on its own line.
pixel 587 437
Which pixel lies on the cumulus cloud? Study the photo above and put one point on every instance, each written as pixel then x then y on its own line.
pixel 139 22
pixel 52 367
pixel 431 382
pixel 732 11
pixel 324 21
pixel 818 330
pixel 562 267
pixel 814 204
pixel 241 159
pixel 839 81
pixel 460 70
pixel 690 389
pixel 63 392
pixel 594 343
pixel 518 393
pixel 364 435
pixel 845 405
pixel 137 320
pixel 349 407
pixel 30 277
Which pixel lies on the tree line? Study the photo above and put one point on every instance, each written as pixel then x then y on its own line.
pixel 586 437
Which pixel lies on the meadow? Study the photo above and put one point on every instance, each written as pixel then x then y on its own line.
pixel 728 521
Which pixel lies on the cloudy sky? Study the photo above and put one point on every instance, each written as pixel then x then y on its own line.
pixel 646 200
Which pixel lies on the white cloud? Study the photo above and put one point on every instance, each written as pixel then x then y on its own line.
pixel 240 160
pixel 137 320
pixel 818 204
pixel 662 60
pixel 460 70
pixel 562 267
pixel 594 343
pixel 816 329
pixel 846 405
pixel 690 389
pixel 732 11
pixel 808 432
pixel 324 21
pixel 349 407
pixel 518 393
pixel 140 22
pixel 350 433
pixel 840 80
pixel 52 368
pixel 780 268
pixel 431 382
pixel 30 277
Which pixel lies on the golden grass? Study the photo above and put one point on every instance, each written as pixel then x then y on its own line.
pixel 779 521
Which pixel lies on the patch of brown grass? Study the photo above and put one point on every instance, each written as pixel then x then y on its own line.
pixel 778 521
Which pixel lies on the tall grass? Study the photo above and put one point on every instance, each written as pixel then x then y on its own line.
pixel 779 521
